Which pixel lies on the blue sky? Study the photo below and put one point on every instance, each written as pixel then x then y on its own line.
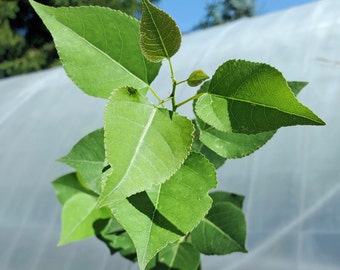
pixel 188 13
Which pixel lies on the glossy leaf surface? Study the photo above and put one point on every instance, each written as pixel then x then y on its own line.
pixel 223 230
pixel 78 215
pixel 176 256
pixel 258 100
pixel 144 145
pixel 163 214
pixel 87 157
pixel 160 35
pixel 99 48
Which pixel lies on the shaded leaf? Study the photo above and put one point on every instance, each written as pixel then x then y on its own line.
pixel 223 197
pixel 160 35
pixel 296 87
pixel 198 146
pixel 222 231
pixel 115 237
pixel 68 185
pixel 109 44
pixel 232 145
pixel 176 256
pixel 78 215
pixel 224 145
pixel 160 216
pixel 87 157
pixel 258 99
pixel 197 77
pixel 145 146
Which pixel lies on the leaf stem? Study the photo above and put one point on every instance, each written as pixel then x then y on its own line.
pixel 174 85
pixel 155 94
pixel 189 99
pixel 184 81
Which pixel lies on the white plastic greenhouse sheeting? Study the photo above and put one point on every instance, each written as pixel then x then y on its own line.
pixel 292 185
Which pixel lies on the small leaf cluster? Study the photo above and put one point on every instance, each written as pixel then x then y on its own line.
pixel 143 184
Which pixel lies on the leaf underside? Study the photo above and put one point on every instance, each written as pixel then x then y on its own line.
pixel 160 35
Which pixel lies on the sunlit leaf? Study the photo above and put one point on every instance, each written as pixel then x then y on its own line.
pixel 160 35
pixel 258 100
pixel 99 47
pixel 144 145
pixel 87 157
pixel 165 213
pixel 78 215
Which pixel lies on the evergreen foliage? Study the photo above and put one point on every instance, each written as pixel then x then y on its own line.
pixel 222 11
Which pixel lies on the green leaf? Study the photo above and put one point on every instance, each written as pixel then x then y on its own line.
pixel 160 35
pixel 144 145
pixel 214 158
pixel 296 87
pixel 67 186
pixel 87 157
pixel 232 145
pixel 197 77
pixel 214 111
pixel 98 47
pixel 258 100
pixel 163 214
pixel 222 231
pixel 179 255
pixel 78 215
pixel 115 237
pixel 223 197
pixel 198 146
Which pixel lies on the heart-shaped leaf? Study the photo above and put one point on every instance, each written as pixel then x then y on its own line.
pixel 78 214
pixel 87 157
pixel 160 35
pixel 163 214
pixel 258 100
pixel 98 47
pixel 179 255
pixel 144 145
